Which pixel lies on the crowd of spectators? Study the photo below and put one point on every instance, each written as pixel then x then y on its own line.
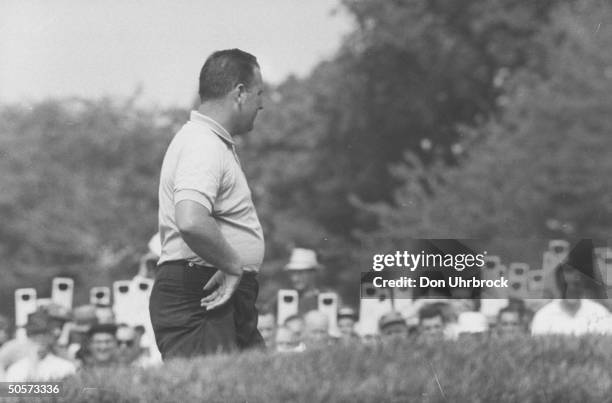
pixel 563 317
pixel 435 317
pixel 59 342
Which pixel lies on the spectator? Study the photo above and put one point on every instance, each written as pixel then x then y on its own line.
pixel 16 349
pixel 521 306
pixel 295 323
pixel 41 365
pixel 302 270
pixel 84 318
pixel 510 322
pixel 140 332
pixel 266 323
pixel 347 318
pixel 429 292
pixel 4 330
pixel 148 262
pixel 573 314
pixel 316 329
pixel 129 351
pixel 105 315
pixel 148 265
pixel 102 346
pixel 13 351
pixel 424 296
pixel 286 341
pixel 392 325
pixel 431 323
pixel 59 317
pixel 150 355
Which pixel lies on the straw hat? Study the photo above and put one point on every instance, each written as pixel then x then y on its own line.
pixel 390 318
pixel 303 259
pixel 472 322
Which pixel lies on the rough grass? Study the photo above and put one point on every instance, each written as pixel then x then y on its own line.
pixel 520 370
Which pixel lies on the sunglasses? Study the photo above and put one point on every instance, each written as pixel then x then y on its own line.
pixel 127 343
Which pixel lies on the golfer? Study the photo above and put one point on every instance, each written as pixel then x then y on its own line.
pixel 212 245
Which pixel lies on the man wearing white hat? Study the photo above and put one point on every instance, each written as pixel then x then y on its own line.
pixel 302 271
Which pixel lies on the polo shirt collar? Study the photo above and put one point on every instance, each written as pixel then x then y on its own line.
pixel 213 125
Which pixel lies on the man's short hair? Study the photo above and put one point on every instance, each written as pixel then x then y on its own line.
pixel 225 69
pixel 430 311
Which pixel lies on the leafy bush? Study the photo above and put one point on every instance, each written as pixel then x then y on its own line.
pixel 471 370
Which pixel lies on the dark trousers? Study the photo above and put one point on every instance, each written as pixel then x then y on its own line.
pixel 185 329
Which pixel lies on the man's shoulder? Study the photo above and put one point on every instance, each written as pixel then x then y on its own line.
pixel 17 372
pixel 195 135
pixel 59 362
pixel 595 307
pixel 551 308
pixel 15 348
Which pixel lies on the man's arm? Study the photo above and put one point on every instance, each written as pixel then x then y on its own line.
pixel 201 233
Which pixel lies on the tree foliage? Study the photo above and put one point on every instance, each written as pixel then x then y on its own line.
pixel 358 156
pixel 546 159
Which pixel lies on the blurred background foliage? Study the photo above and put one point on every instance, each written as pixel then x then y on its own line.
pixel 481 118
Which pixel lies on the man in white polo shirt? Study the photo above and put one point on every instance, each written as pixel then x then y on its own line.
pixel 212 245
pixel 573 314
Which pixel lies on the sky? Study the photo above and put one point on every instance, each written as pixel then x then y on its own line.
pixel 95 48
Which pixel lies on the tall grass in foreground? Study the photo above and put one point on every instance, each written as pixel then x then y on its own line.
pixel 471 370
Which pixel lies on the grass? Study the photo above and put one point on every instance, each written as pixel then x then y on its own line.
pixel 520 370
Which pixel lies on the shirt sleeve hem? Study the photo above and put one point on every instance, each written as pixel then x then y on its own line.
pixel 193 195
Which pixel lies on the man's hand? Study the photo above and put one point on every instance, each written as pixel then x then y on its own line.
pixel 224 285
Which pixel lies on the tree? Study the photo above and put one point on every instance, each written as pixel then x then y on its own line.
pixel 79 190
pixel 547 158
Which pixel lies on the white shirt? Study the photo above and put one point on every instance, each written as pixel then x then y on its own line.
pixel 591 317
pixel 201 165
pixel 46 369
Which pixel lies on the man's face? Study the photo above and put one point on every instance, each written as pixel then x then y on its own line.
pixel 346 326
pixel 103 347
pixel 285 340
pixel 266 326
pixel 316 330
pixel 509 323
pixel 127 348
pixel 251 103
pixel 574 282
pixel 44 343
pixel 432 328
pixel 296 326
pixel 56 327
pixel 394 331
pixel 302 280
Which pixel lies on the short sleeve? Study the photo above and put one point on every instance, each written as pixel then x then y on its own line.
pixel 199 171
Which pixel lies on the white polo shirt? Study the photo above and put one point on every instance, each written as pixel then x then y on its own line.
pixel 591 317
pixel 201 165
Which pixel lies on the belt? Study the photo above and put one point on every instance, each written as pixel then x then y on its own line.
pixel 187 263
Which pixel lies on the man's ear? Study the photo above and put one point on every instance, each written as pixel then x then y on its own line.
pixel 240 92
